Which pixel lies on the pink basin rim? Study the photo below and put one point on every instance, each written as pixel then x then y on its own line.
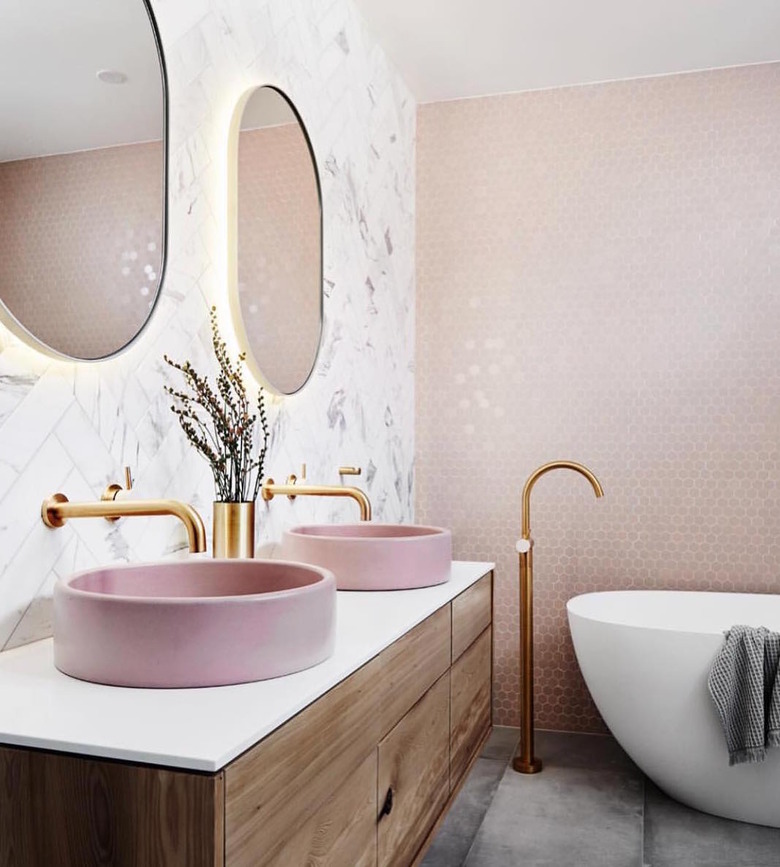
pixel 369 531
pixel 200 579
pixel 374 556
pixel 277 618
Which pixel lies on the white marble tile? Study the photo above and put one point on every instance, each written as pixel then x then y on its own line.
pixel 190 56
pixel 20 509
pixel 86 449
pixel 176 17
pixel 29 426
pixel 28 591
pixel 38 617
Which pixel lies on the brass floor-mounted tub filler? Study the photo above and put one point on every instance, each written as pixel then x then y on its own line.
pixel 524 761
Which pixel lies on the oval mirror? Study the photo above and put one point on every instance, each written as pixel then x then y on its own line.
pixel 276 256
pixel 82 173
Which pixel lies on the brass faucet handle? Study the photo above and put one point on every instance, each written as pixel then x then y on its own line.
pixel 113 490
pixel 350 471
pixel 292 479
pixel 523 546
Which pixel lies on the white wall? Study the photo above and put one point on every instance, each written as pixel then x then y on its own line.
pixel 71 427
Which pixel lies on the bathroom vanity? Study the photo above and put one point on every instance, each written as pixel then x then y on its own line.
pixel 351 763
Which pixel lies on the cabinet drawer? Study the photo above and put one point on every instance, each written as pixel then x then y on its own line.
pixel 414 764
pixel 342 831
pixel 470 702
pixel 472 613
pixel 282 781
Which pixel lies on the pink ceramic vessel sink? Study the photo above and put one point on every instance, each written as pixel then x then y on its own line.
pixel 374 556
pixel 193 623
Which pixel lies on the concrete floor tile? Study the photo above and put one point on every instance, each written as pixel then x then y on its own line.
pixel 567 817
pixel 590 807
pixel 596 752
pixel 458 830
pixel 501 744
pixel 676 835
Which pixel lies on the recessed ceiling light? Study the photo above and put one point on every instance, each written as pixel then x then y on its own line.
pixel 112 76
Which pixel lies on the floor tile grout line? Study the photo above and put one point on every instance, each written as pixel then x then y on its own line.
pixel 506 763
pixel 478 829
pixel 643 860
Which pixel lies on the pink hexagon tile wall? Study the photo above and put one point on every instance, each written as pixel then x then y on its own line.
pixel 598 280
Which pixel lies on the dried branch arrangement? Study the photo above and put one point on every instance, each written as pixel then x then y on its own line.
pixel 218 423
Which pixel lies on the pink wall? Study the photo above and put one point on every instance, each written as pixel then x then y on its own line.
pixel 81 245
pixel 598 280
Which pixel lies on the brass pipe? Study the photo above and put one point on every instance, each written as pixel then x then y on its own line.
pixel 56 510
pixel 525 762
pixel 292 490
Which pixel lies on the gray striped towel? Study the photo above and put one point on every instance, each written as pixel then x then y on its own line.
pixel 745 685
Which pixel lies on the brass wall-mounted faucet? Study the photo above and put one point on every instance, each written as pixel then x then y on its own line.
pixel 293 488
pixel 57 509
pixel 524 761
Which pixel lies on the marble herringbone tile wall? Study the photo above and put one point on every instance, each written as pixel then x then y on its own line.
pixel 72 426
pixel 598 280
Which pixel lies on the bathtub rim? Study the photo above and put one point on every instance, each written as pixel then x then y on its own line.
pixel 584 605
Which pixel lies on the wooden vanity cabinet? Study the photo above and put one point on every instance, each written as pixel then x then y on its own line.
pixel 359 778
pixel 276 785
pixel 470 700
pixel 414 776
pixel 342 830
pixel 59 810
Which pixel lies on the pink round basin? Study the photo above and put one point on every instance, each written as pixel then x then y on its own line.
pixel 193 623
pixel 374 556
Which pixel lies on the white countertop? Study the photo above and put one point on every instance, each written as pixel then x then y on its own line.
pixel 199 729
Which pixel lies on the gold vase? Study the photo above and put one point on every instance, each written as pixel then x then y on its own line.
pixel 234 530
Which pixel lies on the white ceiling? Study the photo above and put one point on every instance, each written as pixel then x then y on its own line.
pixel 448 49
pixel 51 50
pixel 50 98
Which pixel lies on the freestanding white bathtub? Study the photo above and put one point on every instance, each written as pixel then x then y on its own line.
pixel 645 656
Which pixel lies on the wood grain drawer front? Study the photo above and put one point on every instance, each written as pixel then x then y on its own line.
pixel 70 811
pixel 472 613
pixel 343 829
pixel 282 781
pixel 414 764
pixel 470 698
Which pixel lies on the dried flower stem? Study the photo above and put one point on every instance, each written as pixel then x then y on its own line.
pixel 218 422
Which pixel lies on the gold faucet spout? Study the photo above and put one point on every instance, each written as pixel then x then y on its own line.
pixel 270 489
pixel 56 510
pixel 546 468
